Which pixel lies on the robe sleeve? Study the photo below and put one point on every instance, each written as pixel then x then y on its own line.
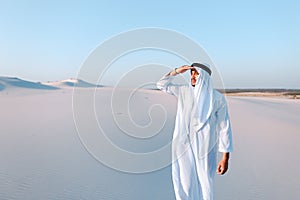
pixel 224 128
pixel 165 84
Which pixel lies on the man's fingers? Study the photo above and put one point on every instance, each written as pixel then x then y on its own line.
pixel 222 171
pixel 219 169
pixel 183 69
pixel 186 67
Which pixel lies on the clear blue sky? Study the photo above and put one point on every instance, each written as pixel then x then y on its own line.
pixel 254 44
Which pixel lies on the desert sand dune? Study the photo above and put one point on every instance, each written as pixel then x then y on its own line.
pixel 43 157
pixel 12 82
pixel 71 82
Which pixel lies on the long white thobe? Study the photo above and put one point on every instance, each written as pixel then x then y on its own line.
pixel 194 154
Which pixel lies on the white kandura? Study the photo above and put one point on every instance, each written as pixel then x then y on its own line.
pixel 202 128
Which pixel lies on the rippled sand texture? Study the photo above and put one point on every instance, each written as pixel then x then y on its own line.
pixel 43 158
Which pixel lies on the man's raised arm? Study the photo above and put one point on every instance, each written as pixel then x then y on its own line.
pixel 165 83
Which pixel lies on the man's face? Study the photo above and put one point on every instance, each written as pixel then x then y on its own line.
pixel 194 76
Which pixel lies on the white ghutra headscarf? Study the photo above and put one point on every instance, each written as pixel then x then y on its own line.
pixel 202 105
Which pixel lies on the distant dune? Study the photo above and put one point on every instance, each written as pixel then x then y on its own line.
pixel 281 93
pixel 2 87
pixel 71 82
pixel 14 83
pixel 11 83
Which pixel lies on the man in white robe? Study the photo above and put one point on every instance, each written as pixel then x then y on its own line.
pixel 202 128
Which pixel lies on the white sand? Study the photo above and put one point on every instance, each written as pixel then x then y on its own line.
pixel 43 158
pixel 264 164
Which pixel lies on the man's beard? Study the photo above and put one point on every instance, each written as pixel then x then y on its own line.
pixel 194 82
